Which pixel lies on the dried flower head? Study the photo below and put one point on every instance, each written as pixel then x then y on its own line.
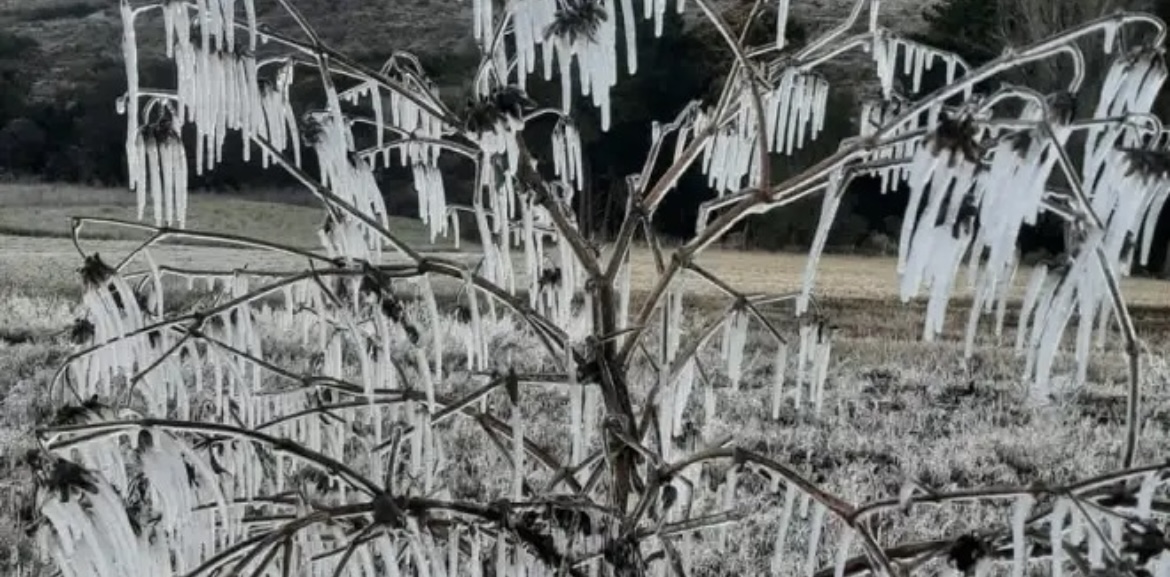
pixel 74 414
pixel 387 511
pixel 311 130
pixel 1145 541
pixel 95 272
pixel 550 277
pixel 1062 106
pixel 507 103
pixel 966 552
pixel 81 332
pixel 62 476
pixel 1148 164
pixel 577 19
pixel 958 136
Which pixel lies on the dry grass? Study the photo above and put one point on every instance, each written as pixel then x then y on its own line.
pixel 46 210
pixel 845 276
pixel 895 408
pixel 42 256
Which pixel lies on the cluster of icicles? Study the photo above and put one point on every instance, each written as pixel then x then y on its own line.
pixel 418 131
pixel 384 393
pixel 596 53
pixel 794 111
pixel 219 89
pixel 509 217
pixel 683 366
pixel 917 59
pixel 379 396
pixel 958 211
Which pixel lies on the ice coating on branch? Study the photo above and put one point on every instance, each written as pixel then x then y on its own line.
pixel 1126 192
pixel 380 371
pixel 795 110
pixel 351 179
pixel 114 311
pixel 158 169
pixel 596 59
pixel 95 537
pixel 877 115
pixel 567 154
pixel 730 154
pixel 735 336
pixel 557 31
pixel 916 58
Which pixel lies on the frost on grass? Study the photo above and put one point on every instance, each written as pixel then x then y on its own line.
pixel 197 445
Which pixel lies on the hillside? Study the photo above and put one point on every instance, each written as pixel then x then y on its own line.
pixel 77 34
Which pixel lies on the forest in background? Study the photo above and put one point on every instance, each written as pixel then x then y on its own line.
pixel 65 128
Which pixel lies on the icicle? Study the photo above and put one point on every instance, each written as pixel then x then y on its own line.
pixel 1056 535
pixel 843 548
pixel 596 60
pixel 1146 495
pixel 735 339
pixel 782 533
pixel 821 367
pixel 631 42
pixel 830 204
pixel 802 359
pixel 779 367
pixel 517 422
pixel 782 24
pixel 818 522
pixel 1020 512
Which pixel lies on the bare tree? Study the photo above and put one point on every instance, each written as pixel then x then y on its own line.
pixel 192 447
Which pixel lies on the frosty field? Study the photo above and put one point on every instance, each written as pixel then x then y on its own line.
pixel 895 408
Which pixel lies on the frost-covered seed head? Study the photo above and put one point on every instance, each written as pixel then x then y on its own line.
pixel 577 19
pixel 95 272
pixel 957 135
pixel 1148 164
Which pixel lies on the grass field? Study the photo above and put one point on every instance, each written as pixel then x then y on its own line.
pixel 35 250
pixel 46 210
pixel 895 407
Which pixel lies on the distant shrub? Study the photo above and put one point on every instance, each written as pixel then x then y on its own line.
pixel 877 243
pixel 58 11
